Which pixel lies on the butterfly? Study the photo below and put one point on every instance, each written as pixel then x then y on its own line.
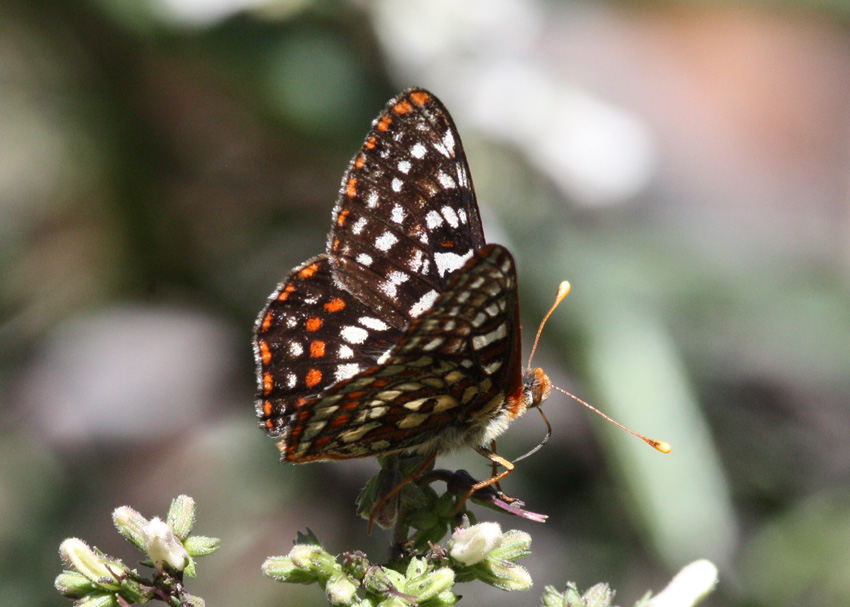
pixel 404 336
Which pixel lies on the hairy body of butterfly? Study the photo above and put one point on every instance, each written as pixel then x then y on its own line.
pixel 405 334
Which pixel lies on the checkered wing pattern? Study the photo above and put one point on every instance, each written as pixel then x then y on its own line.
pixel 406 217
pixel 405 333
pixel 452 372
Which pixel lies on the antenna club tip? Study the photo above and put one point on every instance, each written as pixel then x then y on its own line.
pixel 563 290
pixel 660 445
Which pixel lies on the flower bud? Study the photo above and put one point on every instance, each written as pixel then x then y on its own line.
pixel 429 586
pixel 314 559
pixel 98 600
pixel 181 516
pixel 76 553
pixel 473 544
pixel 340 590
pixel 73 585
pixel 163 546
pixel 130 524
pixel 504 575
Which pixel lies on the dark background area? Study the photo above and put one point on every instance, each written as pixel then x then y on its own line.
pixel 684 165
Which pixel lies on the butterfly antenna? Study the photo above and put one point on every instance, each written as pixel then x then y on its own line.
pixel 563 291
pixel 659 445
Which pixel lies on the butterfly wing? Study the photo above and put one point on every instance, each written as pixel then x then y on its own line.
pixel 406 216
pixel 453 374
pixel 311 334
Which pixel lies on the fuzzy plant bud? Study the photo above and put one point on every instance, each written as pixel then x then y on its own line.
pixel 163 546
pixel 688 587
pixel 76 553
pixel 427 587
pixel 314 559
pixel 181 516
pixel 340 590
pixel 98 600
pixel 73 585
pixel 472 545
pixel 130 524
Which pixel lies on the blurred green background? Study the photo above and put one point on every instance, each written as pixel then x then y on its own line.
pixel 685 165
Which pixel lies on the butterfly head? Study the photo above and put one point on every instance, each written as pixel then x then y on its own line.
pixel 535 387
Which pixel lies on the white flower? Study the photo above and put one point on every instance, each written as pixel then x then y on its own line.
pixel 162 545
pixel 474 544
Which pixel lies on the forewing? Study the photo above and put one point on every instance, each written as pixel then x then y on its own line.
pixel 311 335
pixel 406 216
pixel 454 368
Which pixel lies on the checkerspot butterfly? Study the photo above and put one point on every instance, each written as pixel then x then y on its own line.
pixel 405 334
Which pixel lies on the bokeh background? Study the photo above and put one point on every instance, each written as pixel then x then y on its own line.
pixel 684 164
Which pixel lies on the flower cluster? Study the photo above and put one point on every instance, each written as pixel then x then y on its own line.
pixel 95 579
pixel 479 552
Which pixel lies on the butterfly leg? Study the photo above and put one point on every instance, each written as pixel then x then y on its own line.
pixel 419 471
pixel 496 465
pixel 497 460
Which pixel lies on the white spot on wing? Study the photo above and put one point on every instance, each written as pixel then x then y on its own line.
pixel 390 285
pixel 376 324
pixel 449 262
pixel 446 181
pixel 295 349
pixel 364 259
pixel 481 341
pixel 449 141
pixel 396 184
pixel 372 199
pixel 398 214
pixel 433 220
pixel 291 380
pixel 354 335
pixel 451 216
pixel 385 241
pixel 418 150
pixel 404 166
pixel 345 352
pixel 359 225
pixel 346 370
pixel 425 303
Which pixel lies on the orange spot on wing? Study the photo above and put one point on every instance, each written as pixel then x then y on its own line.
pixel 384 123
pixel 267 322
pixel 339 421
pixel 420 98
pixel 335 245
pixel 403 107
pixel 447 244
pixel 356 395
pixel 340 220
pixel 370 143
pixel 380 383
pixel 269 424
pixel 268 383
pixel 314 323
pixel 265 353
pixel 335 305
pixel 351 191
pixel 358 164
pixel 267 408
pixel 317 350
pixel 351 405
pixel 321 443
pixel 289 289
pixel 314 376
pixel 305 273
